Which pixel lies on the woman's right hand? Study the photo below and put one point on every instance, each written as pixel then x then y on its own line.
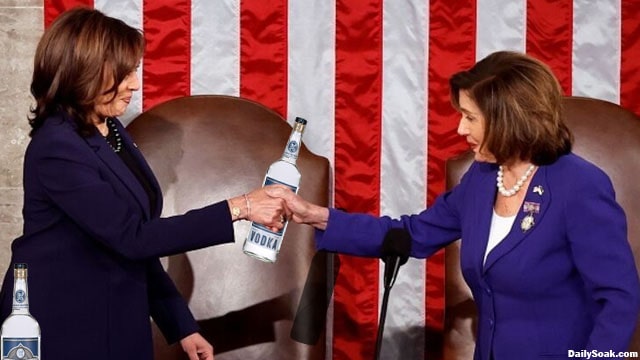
pixel 302 211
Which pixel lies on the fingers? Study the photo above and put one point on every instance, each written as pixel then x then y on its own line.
pixel 196 347
pixel 193 355
pixel 279 191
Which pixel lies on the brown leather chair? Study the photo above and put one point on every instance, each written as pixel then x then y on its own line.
pixel 208 148
pixel 605 134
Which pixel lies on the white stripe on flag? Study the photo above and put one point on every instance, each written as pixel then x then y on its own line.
pixel 403 167
pixel 311 88
pixel 215 47
pixel 596 49
pixel 500 25
pixel 129 11
pixel 311 72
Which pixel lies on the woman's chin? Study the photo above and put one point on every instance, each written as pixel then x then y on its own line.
pixel 483 158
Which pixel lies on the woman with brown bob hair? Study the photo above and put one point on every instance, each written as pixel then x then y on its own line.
pixel 544 243
pixel 521 101
pixel 93 234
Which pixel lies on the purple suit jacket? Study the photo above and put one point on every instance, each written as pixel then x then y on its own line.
pixel 92 245
pixel 569 282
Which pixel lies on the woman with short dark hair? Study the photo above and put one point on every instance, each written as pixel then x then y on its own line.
pixel 93 234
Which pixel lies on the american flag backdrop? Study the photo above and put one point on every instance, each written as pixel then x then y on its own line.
pixel 371 78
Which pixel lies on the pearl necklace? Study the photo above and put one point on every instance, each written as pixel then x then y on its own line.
pixel 117 139
pixel 517 186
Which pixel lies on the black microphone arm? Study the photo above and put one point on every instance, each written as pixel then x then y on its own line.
pixel 396 248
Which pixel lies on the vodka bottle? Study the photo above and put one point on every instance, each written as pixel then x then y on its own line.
pixel 20 336
pixel 262 243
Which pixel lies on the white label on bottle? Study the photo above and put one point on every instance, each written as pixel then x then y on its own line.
pixel 265 232
pixel 263 236
pixel 20 349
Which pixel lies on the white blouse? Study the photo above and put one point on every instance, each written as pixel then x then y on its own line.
pixel 500 227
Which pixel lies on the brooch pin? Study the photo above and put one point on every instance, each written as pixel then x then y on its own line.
pixel 538 190
pixel 528 221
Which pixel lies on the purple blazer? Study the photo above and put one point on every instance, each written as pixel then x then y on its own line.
pixel 569 282
pixel 92 245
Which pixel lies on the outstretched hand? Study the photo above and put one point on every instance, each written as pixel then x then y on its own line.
pixel 266 209
pixel 302 211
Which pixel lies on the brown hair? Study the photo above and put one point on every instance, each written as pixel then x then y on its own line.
pixel 78 55
pixel 521 101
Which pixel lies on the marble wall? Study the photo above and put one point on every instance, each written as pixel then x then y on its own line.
pixel 21 25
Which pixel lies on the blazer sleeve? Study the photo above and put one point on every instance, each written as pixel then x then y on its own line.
pixel 597 233
pixel 167 307
pixel 72 176
pixel 430 230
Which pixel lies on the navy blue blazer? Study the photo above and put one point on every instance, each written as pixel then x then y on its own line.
pixel 92 245
pixel 567 282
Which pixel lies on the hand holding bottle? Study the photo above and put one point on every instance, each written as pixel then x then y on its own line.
pixel 258 206
pixel 302 211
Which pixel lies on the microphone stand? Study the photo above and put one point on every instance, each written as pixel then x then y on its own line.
pixel 389 280
pixel 396 248
pixel 383 315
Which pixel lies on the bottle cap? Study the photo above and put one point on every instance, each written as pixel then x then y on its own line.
pixel 301 121
pixel 20 266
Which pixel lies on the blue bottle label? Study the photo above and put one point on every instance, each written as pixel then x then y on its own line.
pixel 20 349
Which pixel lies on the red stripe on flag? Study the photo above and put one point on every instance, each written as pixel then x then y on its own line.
pixel 53 8
pixel 263 52
pixel 357 168
pixel 630 56
pixel 167 59
pixel 451 49
pixel 550 36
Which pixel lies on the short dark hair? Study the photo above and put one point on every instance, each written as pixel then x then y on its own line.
pixel 81 52
pixel 521 101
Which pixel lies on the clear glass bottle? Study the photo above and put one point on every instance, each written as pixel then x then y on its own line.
pixel 20 333
pixel 262 243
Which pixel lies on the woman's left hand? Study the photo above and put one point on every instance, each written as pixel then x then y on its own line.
pixel 196 347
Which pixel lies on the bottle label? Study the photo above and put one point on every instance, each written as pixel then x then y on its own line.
pixel 20 296
pixel 291 151
pixel 263 236
pixel 20 300
pixel 20 348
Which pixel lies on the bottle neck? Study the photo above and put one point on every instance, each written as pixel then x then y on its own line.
pixel 292 150
pixel 20 296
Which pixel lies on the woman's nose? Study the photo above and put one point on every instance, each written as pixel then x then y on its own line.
pixel 133 81
pixel 463 130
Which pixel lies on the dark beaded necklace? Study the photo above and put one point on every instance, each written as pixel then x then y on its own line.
pixel 113 137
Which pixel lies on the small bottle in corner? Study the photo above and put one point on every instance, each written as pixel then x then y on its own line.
pixel 20 333
pixel 262 243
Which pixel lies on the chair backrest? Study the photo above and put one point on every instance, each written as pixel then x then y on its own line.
pixel 605 134
pixel 205 149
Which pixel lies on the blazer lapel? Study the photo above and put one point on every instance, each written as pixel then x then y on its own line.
pixel 482 213
pixel 528 218
pixel 113 161
pixel 146 170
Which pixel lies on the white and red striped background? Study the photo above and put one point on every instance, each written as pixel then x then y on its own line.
pixel 371 78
